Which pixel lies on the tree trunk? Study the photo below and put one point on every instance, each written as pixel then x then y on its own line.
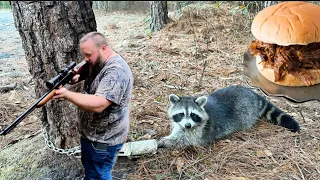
pixel 159 15
pixel 50 33
pixel 177 8
pixel 106 6
pixel 128 5
pixel 256 6
pixel 101 5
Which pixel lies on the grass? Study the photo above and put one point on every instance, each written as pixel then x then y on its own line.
pixel 5 5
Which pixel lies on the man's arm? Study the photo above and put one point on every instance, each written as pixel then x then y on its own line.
pixel 86 102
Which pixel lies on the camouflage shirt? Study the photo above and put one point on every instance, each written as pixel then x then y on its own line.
pixel 114 82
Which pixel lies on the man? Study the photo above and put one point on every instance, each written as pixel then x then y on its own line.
pixel 103 107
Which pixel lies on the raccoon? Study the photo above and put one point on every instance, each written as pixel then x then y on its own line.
pixel 201 120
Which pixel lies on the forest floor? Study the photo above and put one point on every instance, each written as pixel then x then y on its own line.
pixel 194 54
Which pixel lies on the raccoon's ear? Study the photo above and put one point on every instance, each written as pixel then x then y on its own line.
pixel 173 98
pixel 201 101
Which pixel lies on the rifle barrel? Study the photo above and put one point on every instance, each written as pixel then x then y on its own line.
pixel 22 116
pixel 68 76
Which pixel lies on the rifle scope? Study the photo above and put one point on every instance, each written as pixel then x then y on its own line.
pixel 53 81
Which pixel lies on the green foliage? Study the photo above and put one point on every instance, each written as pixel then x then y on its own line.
pixel 240 9
pixel 159 99
pixel 185 3
pixel 5 5
pixel 161 176
pixel 218 4
pixel 170 3
pixel 136 134
pixel 148 32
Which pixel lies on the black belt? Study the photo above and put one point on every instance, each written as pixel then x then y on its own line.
pixel 97 145
pixel 100 146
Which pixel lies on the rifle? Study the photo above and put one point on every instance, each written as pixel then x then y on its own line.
pixel 64 76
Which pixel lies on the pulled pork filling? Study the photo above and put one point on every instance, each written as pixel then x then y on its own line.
pixel 293 59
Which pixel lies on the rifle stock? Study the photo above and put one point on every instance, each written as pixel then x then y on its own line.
pixel 47 98
pixel 57 82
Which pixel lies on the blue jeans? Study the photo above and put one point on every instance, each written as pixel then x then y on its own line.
pixel 98 161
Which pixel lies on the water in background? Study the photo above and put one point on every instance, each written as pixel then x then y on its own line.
pixel 10 41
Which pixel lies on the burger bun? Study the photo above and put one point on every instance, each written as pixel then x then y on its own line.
pixel 287 79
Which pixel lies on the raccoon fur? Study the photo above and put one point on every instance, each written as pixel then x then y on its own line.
pixel 202 120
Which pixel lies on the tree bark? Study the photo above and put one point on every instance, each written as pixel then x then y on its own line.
pixel 256 6
pixel 177 8
pixel 106 6
pixel 159 15
pixel 50 33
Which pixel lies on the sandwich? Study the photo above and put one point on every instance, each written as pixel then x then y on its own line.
pixel 287 43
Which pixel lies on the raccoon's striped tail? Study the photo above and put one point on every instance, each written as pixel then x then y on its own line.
pixel 278 117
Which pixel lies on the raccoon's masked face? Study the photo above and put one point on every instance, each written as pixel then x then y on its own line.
pixel 188 112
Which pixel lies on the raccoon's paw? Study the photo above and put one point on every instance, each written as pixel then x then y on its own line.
pixel 166 142
pixel 162 143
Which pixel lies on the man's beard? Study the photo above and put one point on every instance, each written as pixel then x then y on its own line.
pixel 97 67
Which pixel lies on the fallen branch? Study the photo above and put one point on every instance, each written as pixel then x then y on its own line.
pixel 302 176
pixel 7 88
pixel 24 137
pixel 174 87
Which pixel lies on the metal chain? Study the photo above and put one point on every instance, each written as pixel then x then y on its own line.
pixel 72 151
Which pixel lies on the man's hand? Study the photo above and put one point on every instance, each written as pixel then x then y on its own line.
pixel 60 93
pixel 75 78
pixel 80 73
pixel 87 102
